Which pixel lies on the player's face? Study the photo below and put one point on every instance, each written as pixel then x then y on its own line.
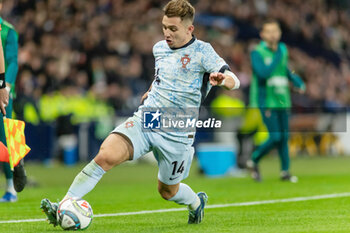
pixel 176 31
pixel 271 33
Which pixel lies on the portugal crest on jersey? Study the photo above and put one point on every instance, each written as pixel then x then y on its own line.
pixel 129 124
pixel 185 60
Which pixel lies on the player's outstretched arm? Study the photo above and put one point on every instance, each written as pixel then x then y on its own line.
pixel 226 79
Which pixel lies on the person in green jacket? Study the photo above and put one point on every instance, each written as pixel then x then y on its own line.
pixel 15 180
pixel 270 92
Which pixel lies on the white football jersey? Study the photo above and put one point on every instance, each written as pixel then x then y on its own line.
pixel 181 81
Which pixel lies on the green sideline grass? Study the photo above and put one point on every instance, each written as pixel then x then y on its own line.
pixel 134 188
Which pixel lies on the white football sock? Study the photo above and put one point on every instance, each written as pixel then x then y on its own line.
pixel 9 186
pixel 186 196
pixel 86 180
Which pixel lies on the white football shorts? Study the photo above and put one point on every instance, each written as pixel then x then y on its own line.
pixel 174 158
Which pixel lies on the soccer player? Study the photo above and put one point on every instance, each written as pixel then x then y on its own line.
pixel 270 92
pixel 15 180
pixel 185 70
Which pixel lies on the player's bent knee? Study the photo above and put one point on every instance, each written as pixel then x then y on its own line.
pixel 105 160
pixel 113 151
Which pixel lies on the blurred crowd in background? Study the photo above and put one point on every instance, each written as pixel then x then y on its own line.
pixel 83 65
pixel 103 49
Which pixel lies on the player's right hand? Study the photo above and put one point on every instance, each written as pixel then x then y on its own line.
pixel 144 97
pixel 216 78
pixel 4 100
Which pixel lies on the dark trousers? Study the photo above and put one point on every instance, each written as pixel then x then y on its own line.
pixel 276 121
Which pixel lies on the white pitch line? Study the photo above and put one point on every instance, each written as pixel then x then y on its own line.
pixel 251 203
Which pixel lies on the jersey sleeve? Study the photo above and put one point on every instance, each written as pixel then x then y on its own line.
pixel 296 80
pixel 11 57
pixel 211 61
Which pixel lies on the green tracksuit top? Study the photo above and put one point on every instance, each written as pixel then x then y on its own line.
pixel 9 38
pixel 270 81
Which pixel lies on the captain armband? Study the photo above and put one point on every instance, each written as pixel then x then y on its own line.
pixel 2 81
pixel 235 79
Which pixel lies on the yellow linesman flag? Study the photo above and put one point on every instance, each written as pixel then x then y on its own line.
pixel 16 141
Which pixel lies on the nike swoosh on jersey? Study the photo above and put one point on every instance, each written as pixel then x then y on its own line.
pixel 173 178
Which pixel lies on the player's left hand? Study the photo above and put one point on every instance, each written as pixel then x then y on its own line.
pixel 216 78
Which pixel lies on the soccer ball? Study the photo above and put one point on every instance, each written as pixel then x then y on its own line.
pixel 74 214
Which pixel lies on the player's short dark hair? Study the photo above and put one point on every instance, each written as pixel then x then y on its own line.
pixel 179 8
pixel 270 21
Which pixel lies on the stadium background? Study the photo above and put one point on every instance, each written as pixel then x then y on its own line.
pixel 83 65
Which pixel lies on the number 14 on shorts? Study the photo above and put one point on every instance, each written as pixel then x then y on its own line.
pixel 177 169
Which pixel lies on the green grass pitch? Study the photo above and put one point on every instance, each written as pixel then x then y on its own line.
pixel 129 188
